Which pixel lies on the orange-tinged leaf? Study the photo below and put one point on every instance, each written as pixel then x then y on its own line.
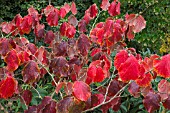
pixel 30 72
pixel 162 66
pixel 12 60
pixel 145 80
pixel 81 90
pixel 129 70
pixel 8 87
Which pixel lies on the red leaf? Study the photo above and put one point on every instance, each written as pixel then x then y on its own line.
pixel 73 8
pixel 30 72
pixel 130 34
pixel 8 87
pixel 105 4
pixel 27 96
pixel 92 11
pixel 120 58
pixel 34 13
pixel 60 48
pixel 95 72
pixel 64 10
pixel 49 37
pixel 144 80
pixel 114 9
pixel 73 20
pixel 48 9
pixel 47 106
pixel 137 21
pixel 166 103
pixel 52 18
pixel 129 70
pixel 152 102
pixel 12 60
pixel 134 89
pixel 82 26
pixel 164 89
pixel 5 46
pixel 162 66
pixel 81 90
pixel 63 28
pixel 97 99
pixel 32 48
pixel 7 27
pixel 83 44
pixel 71 31
pixel 26 24
pixel 64 105
pixel 114 87
pixel 39 30
pixel 41 55
pixel 59 66
pixel 114 104
pixel 148 62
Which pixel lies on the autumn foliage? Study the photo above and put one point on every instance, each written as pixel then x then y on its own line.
pixel 76 59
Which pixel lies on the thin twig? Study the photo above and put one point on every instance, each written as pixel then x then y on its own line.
pixel 115 96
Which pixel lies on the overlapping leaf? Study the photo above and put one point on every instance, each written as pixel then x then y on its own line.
pixel 162 66
pixel 8 87
pixel 30 72
pixel 81 90
pixel 12 60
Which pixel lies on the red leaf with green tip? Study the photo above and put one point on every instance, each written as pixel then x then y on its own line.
pixel 152 102
pixel 162 66
pixel 8 87
pixel 12 60
pixel 81 90
pixel 30 72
